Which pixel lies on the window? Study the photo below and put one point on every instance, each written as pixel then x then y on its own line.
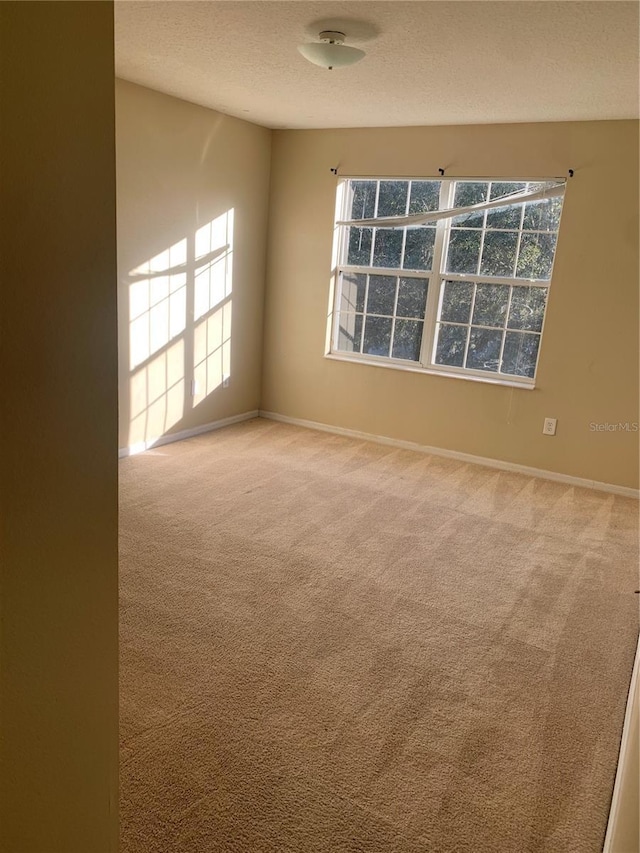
pixel 447 275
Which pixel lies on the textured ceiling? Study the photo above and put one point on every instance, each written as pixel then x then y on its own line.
pixel 428 62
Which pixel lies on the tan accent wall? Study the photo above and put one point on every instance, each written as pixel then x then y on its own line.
pixel 588 367
pixel 58 463
pixel 179 168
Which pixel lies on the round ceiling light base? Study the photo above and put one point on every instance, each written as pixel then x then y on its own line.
pixel 331 52
pixel 332 37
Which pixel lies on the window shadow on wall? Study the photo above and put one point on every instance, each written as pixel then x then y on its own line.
pixel 179 329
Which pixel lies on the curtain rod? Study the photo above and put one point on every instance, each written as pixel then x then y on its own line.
pixel 493 178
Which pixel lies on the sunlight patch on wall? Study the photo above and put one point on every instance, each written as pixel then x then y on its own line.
pixel 214 263
pixel 157 396
pixel 157 302
pixel 212 306
pixel 179 329
pixel 158 316
pixel 212 352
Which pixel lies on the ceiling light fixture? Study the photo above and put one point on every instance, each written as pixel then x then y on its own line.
pixel 331 52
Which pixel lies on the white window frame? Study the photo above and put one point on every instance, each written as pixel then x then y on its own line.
pixel 435 277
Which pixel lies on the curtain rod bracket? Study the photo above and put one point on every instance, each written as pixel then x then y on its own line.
pixel 570 173
pixel 334 170
pixel 441 171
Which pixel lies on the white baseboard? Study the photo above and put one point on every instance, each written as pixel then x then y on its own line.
pixel 623 828
pixel 185 433
pixel 626 491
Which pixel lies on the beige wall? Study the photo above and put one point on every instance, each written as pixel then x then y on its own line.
pixel 588 367
pixel 58 426
pixel 180 167
pixel 624 828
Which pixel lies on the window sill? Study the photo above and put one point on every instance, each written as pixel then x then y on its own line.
pixel 448 374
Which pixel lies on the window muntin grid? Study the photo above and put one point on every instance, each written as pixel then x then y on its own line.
pixel 501 257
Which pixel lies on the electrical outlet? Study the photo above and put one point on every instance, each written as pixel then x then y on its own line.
pixel 194 388
pixel 225 382
pixel 549 427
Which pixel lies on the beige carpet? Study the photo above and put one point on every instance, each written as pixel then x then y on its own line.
pixel 330 645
